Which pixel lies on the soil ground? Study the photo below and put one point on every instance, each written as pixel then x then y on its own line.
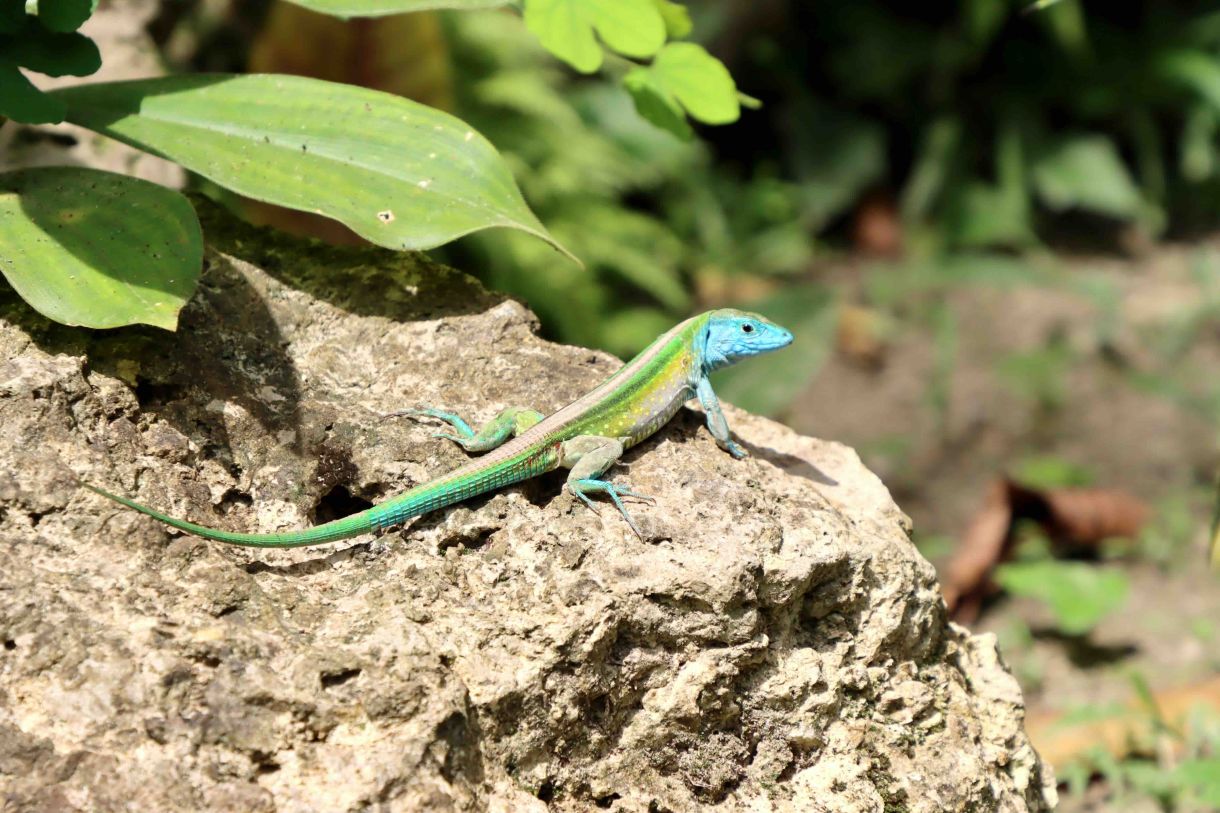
pixel 1100 371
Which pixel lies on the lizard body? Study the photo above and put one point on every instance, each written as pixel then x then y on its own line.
pixel 586 436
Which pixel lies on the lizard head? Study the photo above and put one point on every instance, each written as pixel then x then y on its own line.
pixel 733 335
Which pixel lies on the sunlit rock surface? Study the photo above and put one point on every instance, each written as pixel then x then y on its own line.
pixel 774 643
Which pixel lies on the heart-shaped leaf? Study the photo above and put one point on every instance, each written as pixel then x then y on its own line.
pixel 677 18
pixel 92 248
pixel 699 81
pixel 398 173
pixel 634 28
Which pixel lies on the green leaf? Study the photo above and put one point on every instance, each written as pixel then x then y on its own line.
pixel 1048 471
pixel 398 173
pixel 1203 777
pixel 12 17
pixel 64 15
pixel 380 8
pixel 21 101
pixel 1078 594
pixel 981 214
pixel 92 248
pixel 1086 172
pixel 56 54
pixel 634 28
pixel 655 104
pixel 1197 70
pixel 676 17
pixel 699 81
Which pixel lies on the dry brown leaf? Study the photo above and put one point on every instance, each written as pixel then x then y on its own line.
pixel 1087 516
pixel 1071 517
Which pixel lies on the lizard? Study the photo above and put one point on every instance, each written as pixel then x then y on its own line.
pixel 586 437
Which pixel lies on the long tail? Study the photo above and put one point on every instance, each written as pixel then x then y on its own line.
pixel 458 485
pixel 334 531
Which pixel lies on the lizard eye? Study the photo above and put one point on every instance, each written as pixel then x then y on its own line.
pixel 747 328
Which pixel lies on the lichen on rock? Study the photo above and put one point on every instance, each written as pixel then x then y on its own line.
pixel 775 642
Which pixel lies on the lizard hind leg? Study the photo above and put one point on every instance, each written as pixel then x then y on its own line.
pixel 588 457
pixel 509 423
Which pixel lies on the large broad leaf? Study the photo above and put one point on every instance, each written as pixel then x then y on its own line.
pixel 398 173
pixel 700 82
pixel 380 8
pixel 635 28
pixel 92 248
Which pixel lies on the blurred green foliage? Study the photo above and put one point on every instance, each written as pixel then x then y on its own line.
pixel 989 124
pixel 1078 594
pixel 1001 117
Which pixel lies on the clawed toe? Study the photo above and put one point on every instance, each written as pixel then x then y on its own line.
pixel 623 491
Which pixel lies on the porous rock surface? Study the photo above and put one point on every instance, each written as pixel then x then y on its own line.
pixel 775 642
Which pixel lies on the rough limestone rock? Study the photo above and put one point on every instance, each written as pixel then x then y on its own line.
pixel 774 643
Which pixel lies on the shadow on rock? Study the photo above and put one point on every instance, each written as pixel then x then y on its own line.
pixel 401 285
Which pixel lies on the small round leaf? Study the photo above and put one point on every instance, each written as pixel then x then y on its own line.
pixel 699 81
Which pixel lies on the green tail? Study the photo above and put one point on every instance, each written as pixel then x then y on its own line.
pixel 319 534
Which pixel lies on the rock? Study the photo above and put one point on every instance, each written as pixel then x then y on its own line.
pixel 775 643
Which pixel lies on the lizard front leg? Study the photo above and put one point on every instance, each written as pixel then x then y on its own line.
pixel 588 456
pixel 509 423
pixel 716 424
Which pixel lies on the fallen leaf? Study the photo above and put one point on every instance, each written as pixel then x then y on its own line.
pixel 1072 518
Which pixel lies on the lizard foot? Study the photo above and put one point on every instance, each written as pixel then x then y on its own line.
pixel 582 488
